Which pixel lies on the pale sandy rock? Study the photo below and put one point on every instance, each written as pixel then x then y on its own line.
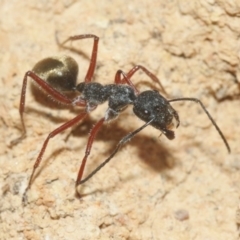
pixel 154 188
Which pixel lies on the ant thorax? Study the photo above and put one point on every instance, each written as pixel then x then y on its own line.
pixel 118 97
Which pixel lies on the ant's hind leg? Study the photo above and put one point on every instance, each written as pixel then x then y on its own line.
pixel 48 89
pixel 93 60
pixel 45 144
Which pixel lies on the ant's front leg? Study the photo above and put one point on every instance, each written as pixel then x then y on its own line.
pixel 91 138
pixel 119 145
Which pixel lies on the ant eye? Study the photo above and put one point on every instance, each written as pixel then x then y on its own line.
pixel 146 112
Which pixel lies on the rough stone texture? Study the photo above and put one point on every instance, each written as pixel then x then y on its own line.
pixel 194 48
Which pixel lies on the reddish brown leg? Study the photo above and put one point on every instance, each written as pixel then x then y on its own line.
pixel 93 60
pixel 51 135
pixel 48 89
pixel 91 138
pixel 127 77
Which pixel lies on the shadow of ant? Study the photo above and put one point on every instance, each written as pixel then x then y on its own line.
pixel 145 144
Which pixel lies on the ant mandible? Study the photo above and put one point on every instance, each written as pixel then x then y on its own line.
pixel 56 75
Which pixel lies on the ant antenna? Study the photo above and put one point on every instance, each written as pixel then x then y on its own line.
pixel 209 116
pixel 121 142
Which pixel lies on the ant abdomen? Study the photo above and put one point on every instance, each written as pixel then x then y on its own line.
pixel 60 72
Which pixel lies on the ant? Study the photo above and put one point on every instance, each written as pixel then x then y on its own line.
pixel 57 75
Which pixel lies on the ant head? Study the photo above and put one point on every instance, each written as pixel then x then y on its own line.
pixel 152 105
pixel 60 72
